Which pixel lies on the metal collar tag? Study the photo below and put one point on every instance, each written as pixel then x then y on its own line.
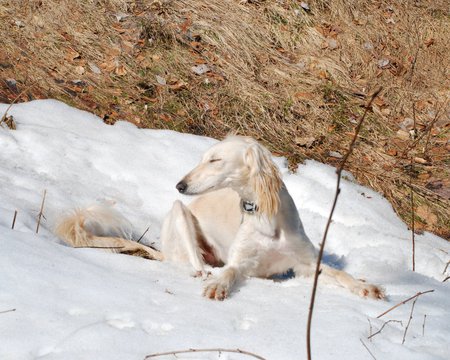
pixel 249 207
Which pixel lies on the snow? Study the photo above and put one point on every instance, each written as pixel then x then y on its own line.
pixel 88 304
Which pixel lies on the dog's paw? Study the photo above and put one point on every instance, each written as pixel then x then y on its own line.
pixel 216 291
pixel 370 291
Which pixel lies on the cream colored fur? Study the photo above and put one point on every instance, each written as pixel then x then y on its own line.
pixel 215 229
pixel 101 227
pixel 270 241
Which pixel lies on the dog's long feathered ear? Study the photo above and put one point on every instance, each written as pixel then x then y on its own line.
pixel 264 177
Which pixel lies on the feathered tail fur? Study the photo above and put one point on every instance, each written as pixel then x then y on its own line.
pixel 102 227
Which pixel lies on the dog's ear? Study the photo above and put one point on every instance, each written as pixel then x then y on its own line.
pixel 264 178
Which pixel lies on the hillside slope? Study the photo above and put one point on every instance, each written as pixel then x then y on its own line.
pixel 292 74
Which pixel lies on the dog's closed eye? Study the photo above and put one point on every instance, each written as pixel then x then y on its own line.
pixel 214 160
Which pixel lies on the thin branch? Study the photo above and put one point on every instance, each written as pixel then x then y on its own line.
pixel 409 320
pixel 382 327
pixel 7 311
pixel 322 245
pixel 145 232
pixel 14 220
pixel 99 247
pixel 40 212
pixel 404 302
pixel 412 217
pixel 446 267
pixel 370 328
pixel 362 342
pixel 448 277
pixel 3 118
pixel 219 350
pixel 423 325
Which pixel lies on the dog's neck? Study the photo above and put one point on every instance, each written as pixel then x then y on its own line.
pixel 248 204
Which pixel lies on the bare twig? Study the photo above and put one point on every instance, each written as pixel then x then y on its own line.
pixel 423 325
pixel 370 328
pixel 98 247
pixel 145 232
pixel 14 220
pixel 404 302
pixel 3 118
pixel 322 245
pixel 382 327
pixel 446 267
pixel 219 350
pixel 412 217
pixel 40 212
pixel 7 311
pixel 448 277
pixel 373 357
pixel 409 320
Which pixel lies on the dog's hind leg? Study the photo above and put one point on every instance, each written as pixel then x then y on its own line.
pixel 358 287
pixel 179 237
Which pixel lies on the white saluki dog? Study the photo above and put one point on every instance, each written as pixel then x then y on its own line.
pixel 245 219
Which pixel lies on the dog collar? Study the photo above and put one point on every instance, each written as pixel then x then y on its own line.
pixel 249 206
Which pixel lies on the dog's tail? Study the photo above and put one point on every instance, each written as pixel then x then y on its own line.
pixel 102 227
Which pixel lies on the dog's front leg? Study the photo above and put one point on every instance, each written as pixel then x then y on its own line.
pixel 219 288
pixel 243 259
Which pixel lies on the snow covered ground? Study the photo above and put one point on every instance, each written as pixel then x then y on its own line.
pixel 88 304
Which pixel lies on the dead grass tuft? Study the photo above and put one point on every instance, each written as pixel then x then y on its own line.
pixel 292 78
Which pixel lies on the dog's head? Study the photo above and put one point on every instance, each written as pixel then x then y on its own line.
pixel 242 164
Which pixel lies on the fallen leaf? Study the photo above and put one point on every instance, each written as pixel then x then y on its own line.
pixel 196 45
pixel 379 101
pixel 335 154
pixel 424 176
pixel 80 70
pixel 71 55
pixel 391 152
pixel 383 63
pixel 19 23
pixel 304 95
pixel 305 6
pixel 332 44
pixel 402 134
pixel 165 117
pixel 120 70
pixel 323 74
pixel 200 69
pixel 368 46
pixel 307 141
pixel 419 160
pixel 407 124
pixel 108 66
pixel 160 80
pixel 429 42
pixel 179 85
pixel 426 214
pixel 94 68
pixel 120 16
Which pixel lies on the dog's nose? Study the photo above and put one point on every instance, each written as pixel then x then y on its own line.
pixel 181 186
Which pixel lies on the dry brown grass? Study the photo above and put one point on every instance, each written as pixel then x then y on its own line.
pixel 293 79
